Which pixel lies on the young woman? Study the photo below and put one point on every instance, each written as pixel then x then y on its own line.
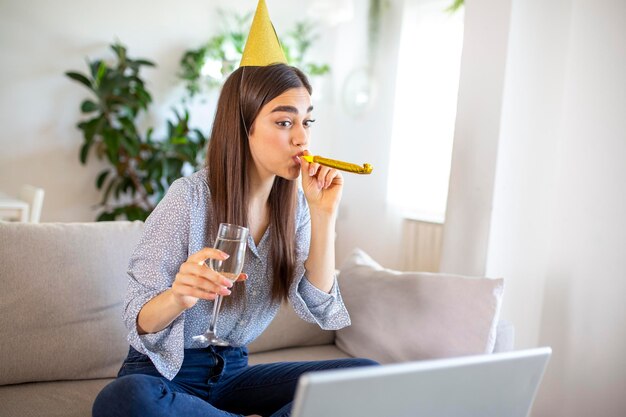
pixel 261 130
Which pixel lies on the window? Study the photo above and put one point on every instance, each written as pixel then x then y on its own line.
pixel 425 109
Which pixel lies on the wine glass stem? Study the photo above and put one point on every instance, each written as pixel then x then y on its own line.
pixel 216 309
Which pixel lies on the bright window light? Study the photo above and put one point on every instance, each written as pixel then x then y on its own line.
pixel 425 109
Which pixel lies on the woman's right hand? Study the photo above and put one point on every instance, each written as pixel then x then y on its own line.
pixel 195 280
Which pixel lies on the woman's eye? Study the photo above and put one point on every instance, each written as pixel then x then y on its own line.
pixel 308 123
pixel 285 123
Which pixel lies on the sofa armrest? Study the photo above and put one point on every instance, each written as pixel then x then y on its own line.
pixel 505 337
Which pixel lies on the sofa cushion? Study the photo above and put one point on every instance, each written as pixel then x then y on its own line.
pixel 450 315
pixel 61 300
pixel 288 330
pixel 50 399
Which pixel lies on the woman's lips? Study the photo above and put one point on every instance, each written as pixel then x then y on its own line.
pixel 297 156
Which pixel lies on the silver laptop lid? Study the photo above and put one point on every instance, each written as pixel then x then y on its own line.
pixel 495 385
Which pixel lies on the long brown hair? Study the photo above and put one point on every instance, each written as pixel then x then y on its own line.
pixel 245 92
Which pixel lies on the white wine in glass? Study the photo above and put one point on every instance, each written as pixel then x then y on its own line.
pixel 232 240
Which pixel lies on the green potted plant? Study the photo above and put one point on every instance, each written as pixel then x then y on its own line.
pixel 140 167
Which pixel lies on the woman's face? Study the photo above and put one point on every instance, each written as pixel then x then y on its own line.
pixel 280 133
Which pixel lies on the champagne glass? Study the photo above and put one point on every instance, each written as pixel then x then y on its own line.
pixel 231 239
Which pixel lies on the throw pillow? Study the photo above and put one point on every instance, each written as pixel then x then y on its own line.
pixel 407 316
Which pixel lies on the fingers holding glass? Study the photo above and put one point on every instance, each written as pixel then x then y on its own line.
pixel 224 268
pixel 203 271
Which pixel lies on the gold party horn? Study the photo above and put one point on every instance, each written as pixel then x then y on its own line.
pixel 340 165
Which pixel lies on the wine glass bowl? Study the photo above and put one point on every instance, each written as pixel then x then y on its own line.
pixel 232 240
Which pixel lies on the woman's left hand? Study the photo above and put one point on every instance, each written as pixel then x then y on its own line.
pixel 322 186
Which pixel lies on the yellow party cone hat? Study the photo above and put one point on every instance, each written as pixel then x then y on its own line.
pixel 262 47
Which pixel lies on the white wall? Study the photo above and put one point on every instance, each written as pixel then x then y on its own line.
pixel 476 136
pixel 557 230
pixel 365 218
pixel 518 246
pixel 584 313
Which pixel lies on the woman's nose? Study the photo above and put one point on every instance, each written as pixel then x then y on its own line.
pixel 300 136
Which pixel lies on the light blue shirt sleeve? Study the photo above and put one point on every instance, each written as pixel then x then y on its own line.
pixel 309 302
pixel 152 269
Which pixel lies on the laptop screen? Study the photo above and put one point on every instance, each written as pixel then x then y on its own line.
pixel 500 384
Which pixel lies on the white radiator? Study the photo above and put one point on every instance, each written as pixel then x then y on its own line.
pixel 422 245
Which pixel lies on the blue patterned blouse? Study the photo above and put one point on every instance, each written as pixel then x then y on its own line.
pixel 175 230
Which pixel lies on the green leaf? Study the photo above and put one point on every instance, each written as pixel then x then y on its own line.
pixel 128 125
pixel 108 189
pixel 170 128
pixel 144 98
pixel 101 178
pixel 149 135
pixel 93 67
pixel 179 140
pixel 84 151
pixel 147 185
pixel 112 139
pixel 120 51
pixel 456 5
pixel 134 212
pixel 93 127
pixel 127 185
pixel 80 78
pixel 88 106
pixel 102 68
pixel 144 62
pixel 131 145
pixel 106 216
pixel 313 69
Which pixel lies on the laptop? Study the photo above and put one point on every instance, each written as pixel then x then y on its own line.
pixel 494 385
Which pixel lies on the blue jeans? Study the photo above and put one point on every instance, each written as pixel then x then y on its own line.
pixel 212 382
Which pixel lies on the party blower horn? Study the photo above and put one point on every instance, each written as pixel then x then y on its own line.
pixel 340 165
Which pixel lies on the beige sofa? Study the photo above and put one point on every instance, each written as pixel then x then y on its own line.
pixel 60 318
